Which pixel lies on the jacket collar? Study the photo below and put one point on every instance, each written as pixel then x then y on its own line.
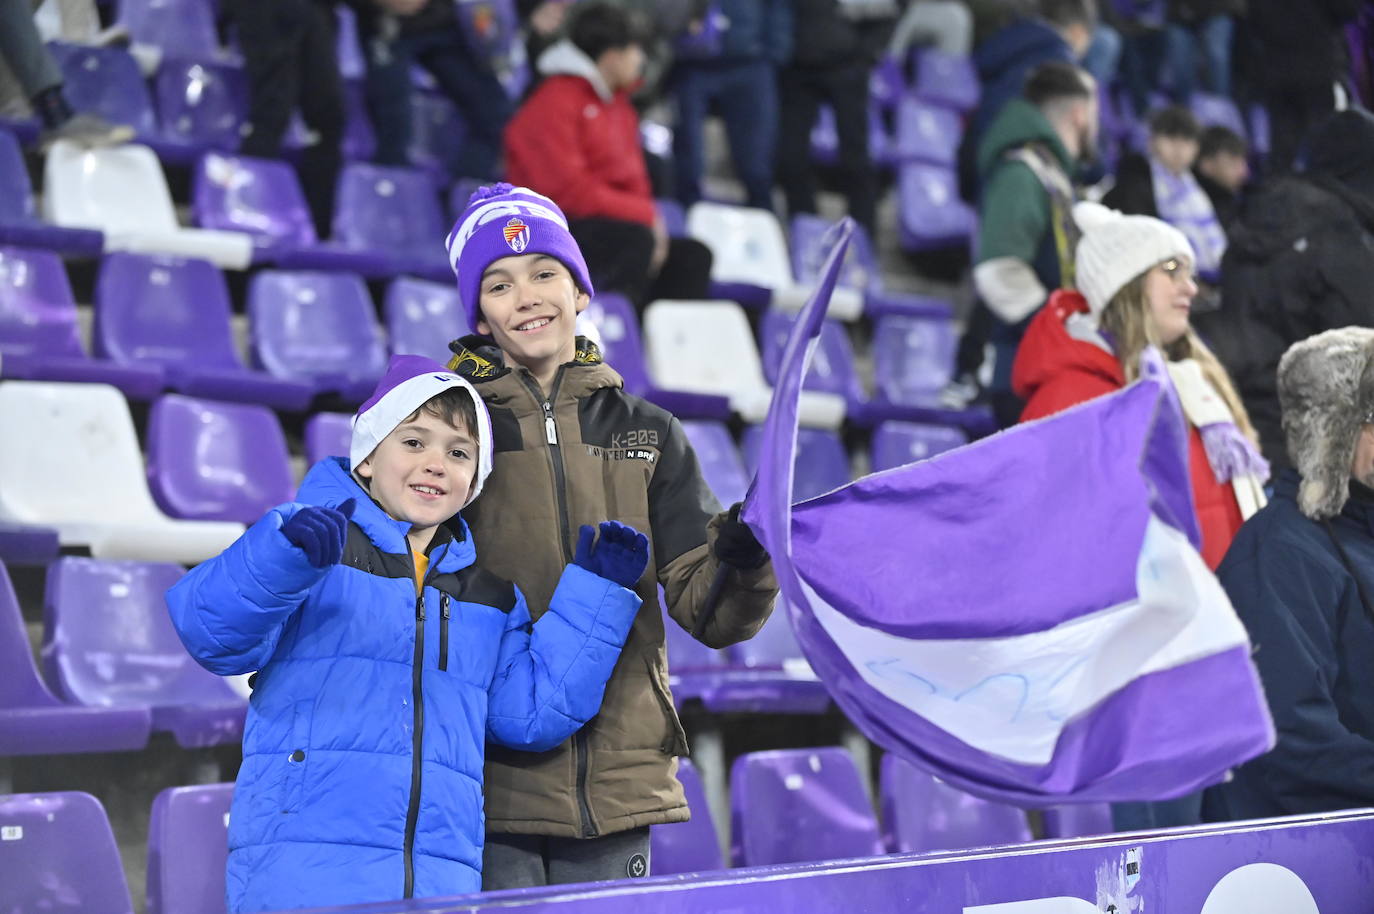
pixel 479 360
pixel 1359 507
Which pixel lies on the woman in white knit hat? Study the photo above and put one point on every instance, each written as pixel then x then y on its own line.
pixel 1136 289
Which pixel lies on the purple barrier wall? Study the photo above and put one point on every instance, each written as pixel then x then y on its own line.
pixel 1301 865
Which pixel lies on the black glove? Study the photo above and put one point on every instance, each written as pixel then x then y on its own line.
pixel 320 532
pixel 736 544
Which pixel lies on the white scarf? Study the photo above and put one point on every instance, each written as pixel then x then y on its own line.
pixel 1231 455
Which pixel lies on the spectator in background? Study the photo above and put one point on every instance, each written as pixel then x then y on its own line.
pixel 1161 184
pixel 576 140
pixel 1205 26
pixel 399 35
pixel 729 67
pixel 1222 167
pixel 946 25
pixel 835 46
pixel 543 20
pixel 1300 575
pixel 1300 260
pixel 1026 232
pixel 290 56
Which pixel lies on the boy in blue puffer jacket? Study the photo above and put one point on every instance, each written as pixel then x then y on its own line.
pixel 363 750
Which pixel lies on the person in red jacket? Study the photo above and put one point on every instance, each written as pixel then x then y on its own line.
pixel 1135 289
pixel 576 140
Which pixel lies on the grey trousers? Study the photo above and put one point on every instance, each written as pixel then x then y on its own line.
pixel 22 51
pixel 521 861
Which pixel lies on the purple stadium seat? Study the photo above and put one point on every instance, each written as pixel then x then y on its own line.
pixel 617 330
pixel 825 140
pixel 695 671
pixel 39 340
pixel 922 813
pixel 913 358
pixel 860 272
pixel 931 215
pixel 360 139
pixel 20 223
pixel 22 544
pixel 67 860
pixel 423 316
pixel 33 721
pixel 216 461
pixel 1078 820
pixel 799 806
pixel 886 84
pixel 395 212
pixel 352 63
pixel 926 132
pixel 439 133
pixel 263 198
pixel 946 79
pixel 685 847
pixel 1217 110
pixel 179 27
pixel 899 443
pixel 769 674
pixel 327 435
pixel 188 846
pixel 821 462
pixel 674 216
pixel 174 313
pixel 201 104
pixel 719 458
pixel 109 643
pixel 832 362
pixel 317 327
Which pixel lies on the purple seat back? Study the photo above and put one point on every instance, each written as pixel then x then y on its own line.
pixel 825 137
pixel 798 806
pixel 259 196
pixel 37 311
pixel 327 435
pixel 821 463
pixel 899 443
pixel 927 132
pixel 422 317
pixel 922 813
pixel 674 216
pixel 17 205
pixel 201 102
pixel 775 647
pixel 352 63
pixel 67 860
pixel 719 459
pixel 458 194
pixel 931 214
pixel 1078 820
pixel 384 208
pixel 439 133
pixel 913 358
pixel 179 27
pixel 165 310
pixel 886 84
pixel 359 139
pixel 832 362
pixel 1218 110
pixel 946 79
pixel 209 460
pixel 188 846
pixel 617 325
pixel 105 81
pixel 859 270
pixel 315 326
pixel 21 686
pixel 686 847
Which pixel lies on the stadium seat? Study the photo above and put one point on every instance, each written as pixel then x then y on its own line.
pixel 674 216
pixel 930 214
pixel 359 139
pixel 109 643
pixel 719 458
pixel 899 443
pixel 122 192
pixel 922 813
pixel 1218 110
pixel 926 132
pixel 695 671
pixel 22 544
pixel 887 83
pixel 913 358
pixel 181 28
pixel 19 220
pixel 438 133
pixel 611 321
pixel 707 347
pixel 188 847
pixel 67 859
pixel 423 316
pixel 751 264
pixel 799 806
pixel 317 327
pixel 217 461
pixel 70 460
pixel 200 104
pixel 685 847
pixel 39 337
pixel 33 721
pixel 1078 820
pixel 831 369
pixel 106 81
pixel 395 212
pixel 768 674
pixel 327 435
pixel 819 466
pixel 174 313
pixel 825 140
pixel 945 79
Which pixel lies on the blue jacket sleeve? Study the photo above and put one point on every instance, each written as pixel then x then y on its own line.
pixel 230 610
pixel 550 676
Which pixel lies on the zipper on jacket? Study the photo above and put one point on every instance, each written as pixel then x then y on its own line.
pixel 443 631
pixel 580 753
pixel 417 742
pixel 555 456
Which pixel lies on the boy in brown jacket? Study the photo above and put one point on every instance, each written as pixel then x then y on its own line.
pixel 571 444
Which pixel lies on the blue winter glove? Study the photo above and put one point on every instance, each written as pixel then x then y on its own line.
pixel 320 532
pixel 619 555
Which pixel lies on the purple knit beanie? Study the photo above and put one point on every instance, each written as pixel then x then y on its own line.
pixel 506 221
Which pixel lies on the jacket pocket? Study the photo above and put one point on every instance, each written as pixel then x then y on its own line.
pixel 298 756
pixel 674 737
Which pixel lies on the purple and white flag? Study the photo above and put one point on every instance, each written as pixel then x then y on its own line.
pixel 1027 617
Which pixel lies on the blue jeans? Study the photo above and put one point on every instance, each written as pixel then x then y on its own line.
pixel 1213 36
pixel 1103 57
pixel 745 95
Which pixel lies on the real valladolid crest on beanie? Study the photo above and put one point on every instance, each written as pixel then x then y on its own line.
pixel 1326 392
pixel 410 381
pixel 506 221
pixel 1114 249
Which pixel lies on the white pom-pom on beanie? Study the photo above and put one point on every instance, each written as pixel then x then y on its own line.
pixel 1115 248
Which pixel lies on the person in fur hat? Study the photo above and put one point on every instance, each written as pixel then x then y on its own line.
pixel 1301 576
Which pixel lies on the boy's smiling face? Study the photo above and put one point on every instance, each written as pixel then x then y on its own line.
pixel 422 473
pixel 529 305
